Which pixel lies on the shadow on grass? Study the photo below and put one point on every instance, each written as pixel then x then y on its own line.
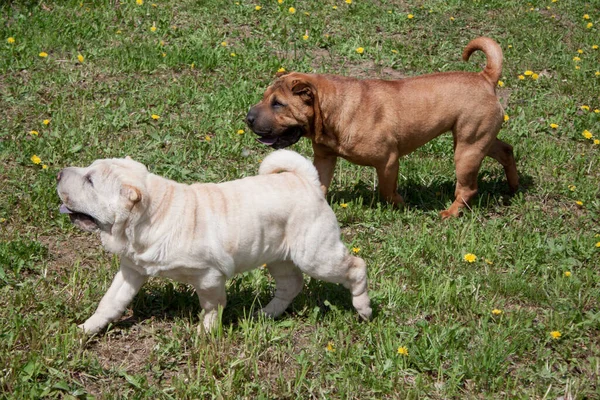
pixel 179 301
pixel 437 195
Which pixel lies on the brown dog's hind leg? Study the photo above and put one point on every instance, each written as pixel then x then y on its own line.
pixel 503 153
pixel 387 175
pixel 468 161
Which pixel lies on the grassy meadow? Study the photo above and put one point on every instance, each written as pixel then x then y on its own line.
pixel 169 84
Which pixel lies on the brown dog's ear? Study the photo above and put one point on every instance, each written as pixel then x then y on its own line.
pixel 303 89
pixel 279 74
pixel 131 193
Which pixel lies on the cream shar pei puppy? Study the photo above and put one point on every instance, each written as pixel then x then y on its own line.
pixel 202 234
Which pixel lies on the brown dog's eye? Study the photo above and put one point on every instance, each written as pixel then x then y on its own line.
pixel 276 104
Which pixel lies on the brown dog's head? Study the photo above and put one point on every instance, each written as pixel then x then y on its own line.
pixel 288 110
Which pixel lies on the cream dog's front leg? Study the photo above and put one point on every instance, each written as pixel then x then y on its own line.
pixel 124 287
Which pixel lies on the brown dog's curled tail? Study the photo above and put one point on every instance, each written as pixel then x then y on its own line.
pixel 493 53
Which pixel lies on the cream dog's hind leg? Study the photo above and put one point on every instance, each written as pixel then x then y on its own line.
pixel 288 283
pixel 123 288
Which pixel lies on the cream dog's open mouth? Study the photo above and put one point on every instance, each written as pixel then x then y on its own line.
pixel 83 221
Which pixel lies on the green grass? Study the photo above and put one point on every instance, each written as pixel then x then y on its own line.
pixel 426 297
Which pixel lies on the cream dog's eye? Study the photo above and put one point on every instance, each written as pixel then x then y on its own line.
pixel 89 180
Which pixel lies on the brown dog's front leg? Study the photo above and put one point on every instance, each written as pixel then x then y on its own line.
pixel 324 162
pixel 387 176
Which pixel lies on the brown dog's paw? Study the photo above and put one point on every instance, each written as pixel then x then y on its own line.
pixel 450 213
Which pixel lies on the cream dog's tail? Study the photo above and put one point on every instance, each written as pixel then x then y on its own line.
pixel 289 161
pixel 493 52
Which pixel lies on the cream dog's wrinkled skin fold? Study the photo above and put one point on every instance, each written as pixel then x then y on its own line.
pixel 203 234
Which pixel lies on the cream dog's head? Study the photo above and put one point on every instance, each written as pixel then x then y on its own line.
pixel 105 197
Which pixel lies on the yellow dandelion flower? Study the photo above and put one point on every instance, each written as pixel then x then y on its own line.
pixel 153 28
pixel 10 40
pixel 207 138
pixel 589 25
pixel 469 257
pixel 344 205
pixel 306 13
pixel 521 77
pixel 258 8
pixel 305 37
pixel 579 203
pixel 153 5
pixel 330 347
pixel 280 1
pixel 585 108
pixel 232 54
pixel 597 111
pixel 553 126
pixel 281 69
pixel 595 47
pixel 577 67
pixel 155 117
pixel 335 7
pixel 587 134
pixel 394 51
pixel 34 133
pixel 555 334
pixel 44 166
pixel 360 50
pixel 500 84
pixel 596 142
pixel 597 73
pixel 496 311
pixel 403 351
pixel 506 117
pixel 2 220
pixel 292 10
pixel 118 32
pixel 35 159
pixel 586 16
pixel 489 262
pixel 164 54
pixel 224 44
pixel 576 59
pixel 356 250
pixel 535 77
pixel 580 51
pixel 528 73
pixel 410 16
pixel 240 132
pixel 348 1
pixel 139 2
pixel 80 58
pixel 567 274
pixel 43 54
pixel 451 18
pixel 572 188
pixel 598 244
pixel 46 121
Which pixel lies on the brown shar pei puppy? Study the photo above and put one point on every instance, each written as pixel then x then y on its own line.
pixel 374 122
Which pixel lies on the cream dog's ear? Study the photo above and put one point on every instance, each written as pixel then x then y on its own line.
pixel 131 193
pixel 128 158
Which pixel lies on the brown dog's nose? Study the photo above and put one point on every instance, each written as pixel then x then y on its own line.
pixel 251 117
pixel 59 176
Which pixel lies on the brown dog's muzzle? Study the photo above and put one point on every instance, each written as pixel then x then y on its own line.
pixel 268 131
